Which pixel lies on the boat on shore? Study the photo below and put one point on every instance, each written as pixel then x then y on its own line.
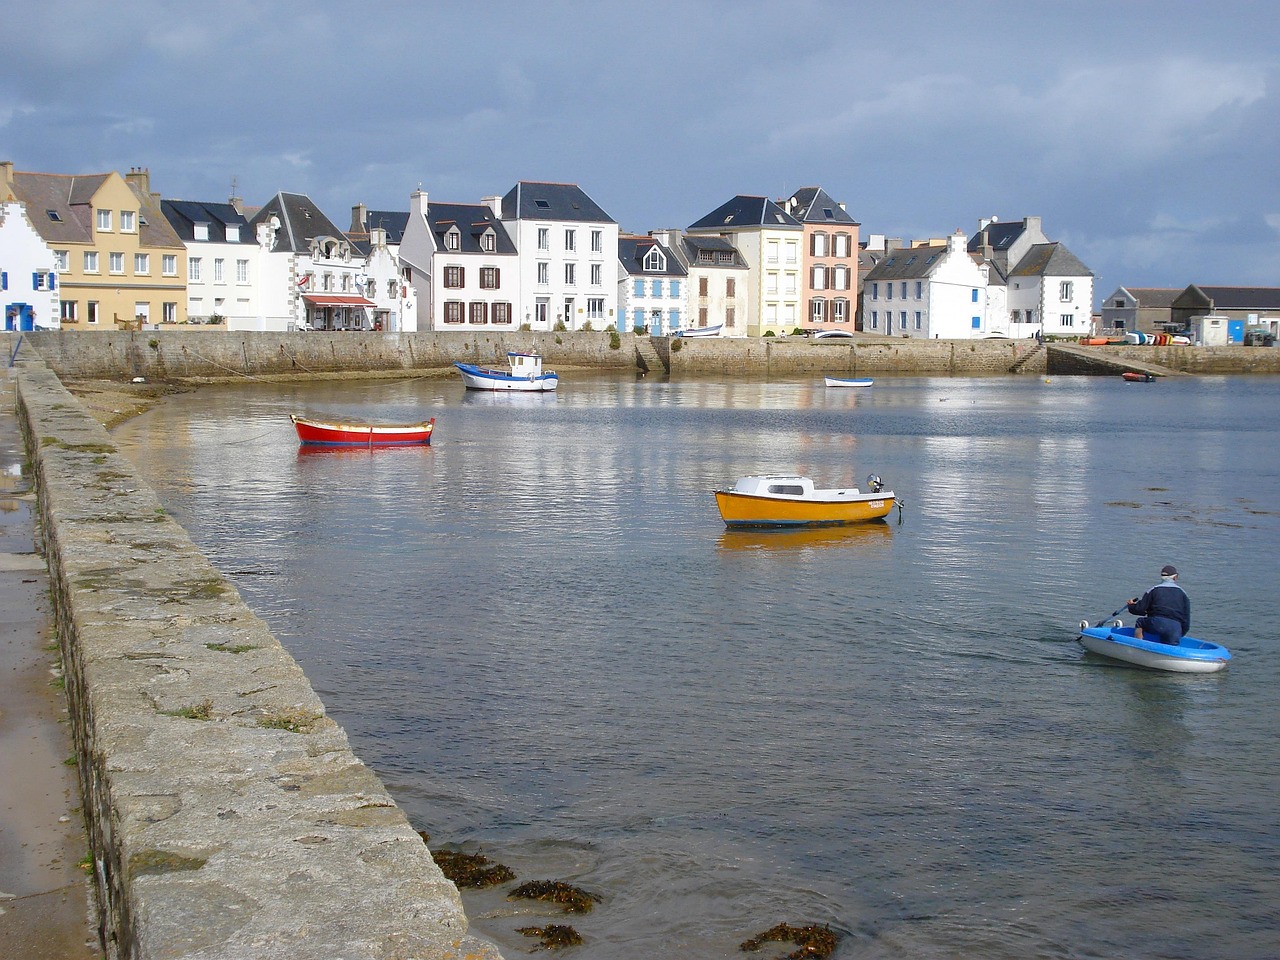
pixel 524 374
pixel 848 381
pixel 1188 655
pixel 1133 376
pixel 346 434
pixel 700 331
pixel 784 500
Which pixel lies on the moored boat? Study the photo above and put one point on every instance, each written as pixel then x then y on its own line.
pixel 700 331
pixel 793 501
pixel 524 374
pixel 346 434
pixel 1133 376
pixel 848 381
pixel 1188 655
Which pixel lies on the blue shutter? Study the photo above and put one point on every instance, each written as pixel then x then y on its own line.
pixel 53 281
pixel 975 296
pixel 35 280
pixel 4 279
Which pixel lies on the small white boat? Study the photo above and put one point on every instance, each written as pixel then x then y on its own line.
pixel 524 374
pixel 1188 655
pixel 791 501
pixel 700 331
pixel 848 381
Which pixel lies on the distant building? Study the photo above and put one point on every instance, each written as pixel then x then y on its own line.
pixel 829 276
pixel 311 281
pixel 717 281
pixel 119 264
pixel 934 290
pixel 376 236
pixel 223 262
pixel 770 241
pixel 652 289
pixel 1138 309
pixel 462 264
pixel 1051 293
pixel 1240 308
pixel 568 257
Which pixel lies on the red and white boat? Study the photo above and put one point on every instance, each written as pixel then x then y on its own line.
pixel 322 433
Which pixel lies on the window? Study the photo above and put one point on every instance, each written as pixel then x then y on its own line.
pixel 840 245
pixel 453 278
pixel 1016 316
pixel 193 269
pixel 1068 320
pixel 875 320
pixel 793 251
pixel 771 282
pixel 141 264
pixel 570 239
pixel 54 215
pixel 544 238
pixel 653 260
pixel 488 278
pixel 973 295
pixel 91 311
pixel 219 270
pixel 67 311
pixel 128 221
pixel 976 323
pixel 200 231
pixel 64 260
pixel 919 320
pixel 729 314
pixel 902 318
pixel 115 263
pixel 919 289
pixel 169 265
pixel 453 311
pixel 840 278
pixel 478 312
pixel 42 280
pixel 488 241
pixel 702 286
pixel 839 310
pixel 730 287
pixel 452 239
pixel 169 313
pixel 595 308
pixel 540 308
pixel 819 245
pixel 501 313
pixel 1119 304
pixel 242 271
pixel 597 241
pixel 818 310
pixel 570 274
pixel 104 219
pixel 702 316
pixel 875 291
pixel 544 273
pixel 902 290
pixel 675 288
pixel 819 278
pixel 1065 291
pixel 597 274
pixel 233 232
pixel 90 261
pixel 888 290
pixel 771 251
pixel 656 287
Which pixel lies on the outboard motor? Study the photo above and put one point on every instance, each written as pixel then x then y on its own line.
pixel 874 483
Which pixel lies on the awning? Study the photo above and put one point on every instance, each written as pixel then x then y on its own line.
pixel 336 300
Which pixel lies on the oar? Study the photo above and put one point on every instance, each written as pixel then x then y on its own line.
pixel 1085 623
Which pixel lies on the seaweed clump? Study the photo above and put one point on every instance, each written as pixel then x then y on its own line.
pixel 554 935
pixel 572 899
pixel 815 942
pixel 471 869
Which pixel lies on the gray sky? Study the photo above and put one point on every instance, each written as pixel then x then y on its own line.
pixel 1146 135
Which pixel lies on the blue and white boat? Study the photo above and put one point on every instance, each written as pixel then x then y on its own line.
pixel 848 381
pixel 700 331
pixel 1189 655
pixel 524 374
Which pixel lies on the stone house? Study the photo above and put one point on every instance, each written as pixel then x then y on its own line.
pixel 376 236
pixel 652 286
pixel 934 290
pixel 1140 309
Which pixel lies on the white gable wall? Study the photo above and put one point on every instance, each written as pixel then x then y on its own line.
pixel 23 254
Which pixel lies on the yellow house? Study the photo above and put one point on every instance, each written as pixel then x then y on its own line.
pixel 120 264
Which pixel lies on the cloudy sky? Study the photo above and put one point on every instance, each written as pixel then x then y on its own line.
pixel 1146 135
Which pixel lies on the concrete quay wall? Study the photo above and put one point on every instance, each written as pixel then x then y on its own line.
pixel 228 817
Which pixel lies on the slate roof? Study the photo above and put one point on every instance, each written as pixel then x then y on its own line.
pixel 744 211
pixel 913 263
pixel 1050 260
pixel 1153 296
pixel 814 205
pixel 534 200
pixel 301 221
pixel 183 215
pixel 633 250
pixel 472 220
pixel 1229 298
pixel 392 221
pixel 999 235
pixel 714 245
pixel 60 208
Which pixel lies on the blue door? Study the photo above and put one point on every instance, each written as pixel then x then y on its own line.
pixel 19 316
pixel 1235 331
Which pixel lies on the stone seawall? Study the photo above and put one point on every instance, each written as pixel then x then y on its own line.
pixel 228 817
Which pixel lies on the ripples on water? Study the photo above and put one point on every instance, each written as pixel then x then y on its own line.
pixel 540 634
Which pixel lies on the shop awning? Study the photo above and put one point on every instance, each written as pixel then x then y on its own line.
pixel 336 300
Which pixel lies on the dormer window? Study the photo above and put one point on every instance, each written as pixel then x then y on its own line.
pixel 488 241
pixel 453 239
pixel 201 231
pixel 233 234
pixel 654 260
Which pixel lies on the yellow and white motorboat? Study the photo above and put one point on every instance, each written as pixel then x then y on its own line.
pixel 791 501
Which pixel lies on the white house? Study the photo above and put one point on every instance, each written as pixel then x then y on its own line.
pixel 312 276
pixel 770 240
pixel 223 262
pixel 717 283
pixel 28 272
pixel 568 259
pixel 461 265
pixel 1050 293
pixel 932 291
pixel 376 236
pixel 652 285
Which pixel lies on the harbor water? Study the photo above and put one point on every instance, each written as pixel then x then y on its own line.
pixel 542 637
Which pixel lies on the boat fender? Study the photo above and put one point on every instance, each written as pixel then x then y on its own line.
pixel 1084 624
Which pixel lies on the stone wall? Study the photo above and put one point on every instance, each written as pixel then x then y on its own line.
pixel 227 815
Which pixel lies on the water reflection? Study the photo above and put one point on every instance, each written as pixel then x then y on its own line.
pixel 857 537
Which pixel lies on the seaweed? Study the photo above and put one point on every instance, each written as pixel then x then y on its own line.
pixel 814 941
pixel 571 898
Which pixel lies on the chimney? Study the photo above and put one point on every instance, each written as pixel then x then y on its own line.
pixel 494 204
pixel 140 178
pixel 358 217
pixel 418 203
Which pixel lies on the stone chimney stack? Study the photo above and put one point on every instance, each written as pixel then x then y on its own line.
pixel 494 204
pixel 418 203
pixel 359 215
pixel 140 178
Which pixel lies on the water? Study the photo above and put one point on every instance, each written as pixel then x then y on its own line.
pixel 542 637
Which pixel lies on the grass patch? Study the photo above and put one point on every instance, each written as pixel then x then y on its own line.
pixel 290 719
pixel 198 711
pixel 153 862
pixel 231 647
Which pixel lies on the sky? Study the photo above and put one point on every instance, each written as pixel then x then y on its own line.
pixel 1145 135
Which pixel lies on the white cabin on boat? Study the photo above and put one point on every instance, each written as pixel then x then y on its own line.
pixel 525 364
